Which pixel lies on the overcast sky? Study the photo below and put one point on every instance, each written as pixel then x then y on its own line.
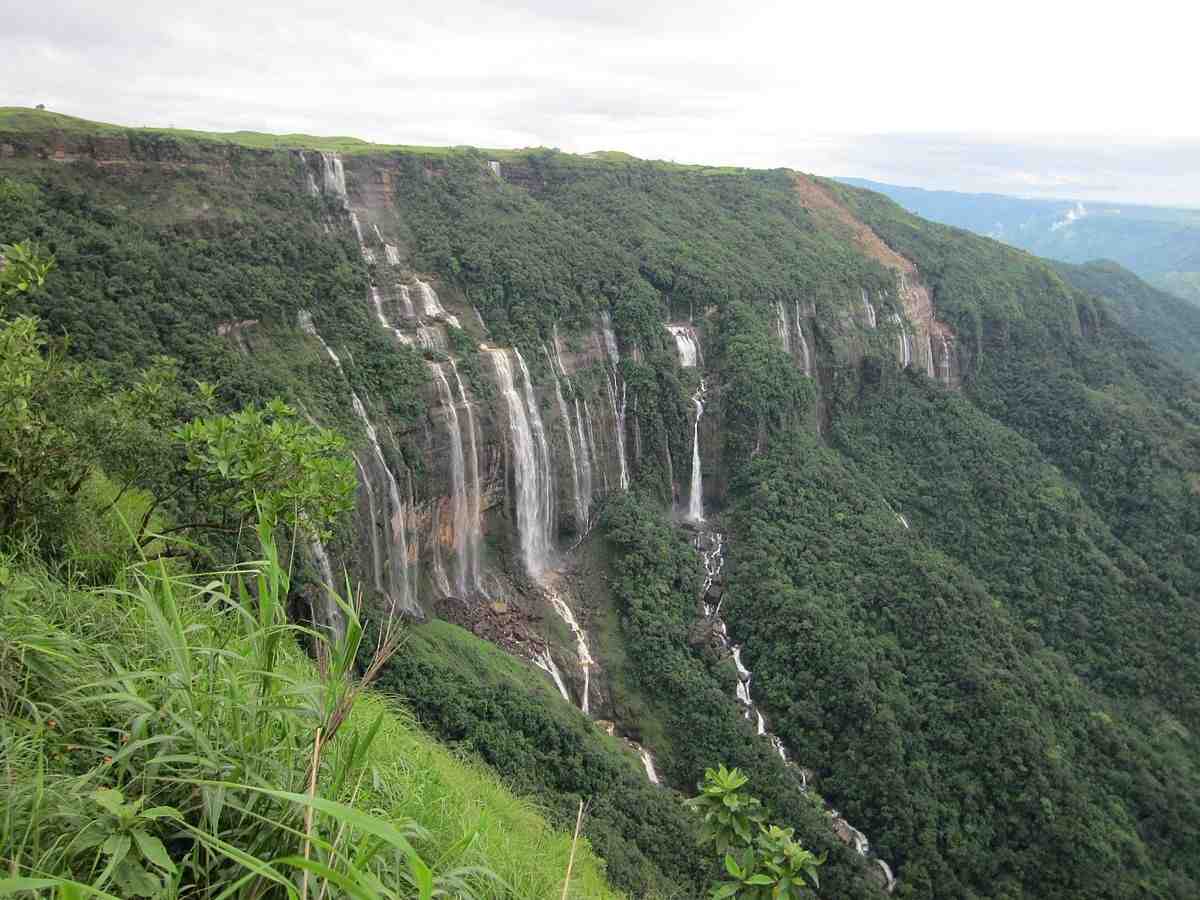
pixel 1048 98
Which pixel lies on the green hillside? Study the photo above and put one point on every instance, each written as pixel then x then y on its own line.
pixel 965 587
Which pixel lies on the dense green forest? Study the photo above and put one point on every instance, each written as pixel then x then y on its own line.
pixel 970 614
pixel 1170 324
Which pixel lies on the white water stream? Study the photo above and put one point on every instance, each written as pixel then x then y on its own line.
pixel 711 545
pixel 618 410
pixel 402 590
pixel 533 479
pixel 870 309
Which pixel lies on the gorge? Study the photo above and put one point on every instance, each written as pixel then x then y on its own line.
pixel 671 466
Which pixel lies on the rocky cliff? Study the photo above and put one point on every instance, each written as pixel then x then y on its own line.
pixel 480 508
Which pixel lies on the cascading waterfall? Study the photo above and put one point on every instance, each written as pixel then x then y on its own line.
pixel 334 176
pixel 696 495
pixel 309 181
pixel 431 306
pixel 459 501
pixel 597 460
pixel 545 662
pixel 329 613
pixel 803 343
pixel 367 253
pixel 403 593
pixel 869 308
pixel 581 645
pixel 711 545
pixel 929 355
pixel 533 483
pixel 377 302
pixel 390 252
pixel 475 498
pixel 944 365
pixel 582 498
pixel 406 301
pixel 586 448
pixel 905 342
pixel 647 759
pixel 689 356
pixel 532 477
pixel 781 326
pixel 614 363
pixel 431 337
pixel 686 344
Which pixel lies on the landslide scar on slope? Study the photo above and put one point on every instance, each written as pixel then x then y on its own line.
pixel 914 295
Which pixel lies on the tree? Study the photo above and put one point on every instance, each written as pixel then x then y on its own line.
pixel 762 861
pixel 40 461
pixel 267 461
pixel 23 268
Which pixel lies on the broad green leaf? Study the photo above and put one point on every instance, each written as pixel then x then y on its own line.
pixel 152 849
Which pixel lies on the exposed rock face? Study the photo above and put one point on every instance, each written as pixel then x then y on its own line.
pixel 439 521
pixel 934 342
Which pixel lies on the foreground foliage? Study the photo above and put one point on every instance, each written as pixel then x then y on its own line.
pixel 761 860
pixel 162 737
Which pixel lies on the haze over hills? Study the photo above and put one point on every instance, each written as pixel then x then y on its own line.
pixel 1160 244
pixel 659 467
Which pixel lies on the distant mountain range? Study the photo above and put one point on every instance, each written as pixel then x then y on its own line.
pixel 1160 244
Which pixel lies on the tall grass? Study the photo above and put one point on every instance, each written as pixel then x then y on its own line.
pixel 166 737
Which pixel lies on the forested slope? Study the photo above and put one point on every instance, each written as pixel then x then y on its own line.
pixel 959 502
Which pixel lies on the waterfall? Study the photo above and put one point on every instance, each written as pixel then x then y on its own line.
pixel 743 685
pixel 929 355
pixel 781 326
pixel 686 344
pixel 803 343
pixel 431 306
pixel 587 451
pixel 334 177
pixel 403 592
pixel 406 301
pixel 696 496
pixel 647 761
pixel 869 308
pixel 584 462
pixel 533 480
pixel 330 614
pixel 483 329
pixel 367 253
pixel 431 337
pixel 309 181
pixel 648 764
pixel 459 502
pixel 581 645
pixel 637 425
pixel 944 365
pixel 614 360
pixel 545 662
pixel 597 459
pixel 905 342
pixel 377 302
pixel 711 546
pixel 610 339
pixel 475 504
pixel 889 878
pixel 582 498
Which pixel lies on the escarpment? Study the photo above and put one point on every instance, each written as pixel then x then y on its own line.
pixel 711 455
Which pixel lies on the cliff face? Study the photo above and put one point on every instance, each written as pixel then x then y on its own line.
pixel 471 512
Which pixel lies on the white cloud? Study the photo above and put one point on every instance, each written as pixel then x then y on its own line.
pixel 753 84
pixel 1074 214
